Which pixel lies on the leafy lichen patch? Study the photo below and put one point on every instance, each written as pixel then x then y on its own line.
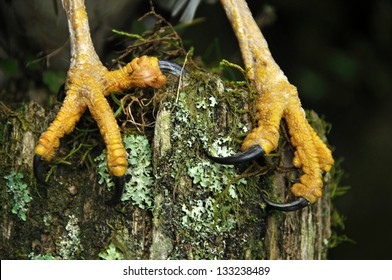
pixel 70 246
pixel 20 193
pixel 139 178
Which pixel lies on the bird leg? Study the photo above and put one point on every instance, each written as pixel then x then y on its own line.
pixel 277 99
pixel 87 84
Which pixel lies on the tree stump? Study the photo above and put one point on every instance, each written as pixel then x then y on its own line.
pixel 199 209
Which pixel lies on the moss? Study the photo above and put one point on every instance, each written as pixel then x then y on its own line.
pixel 212 202
pixel 336 176
pixel 200 210
pixel 319 125
pixel 334 179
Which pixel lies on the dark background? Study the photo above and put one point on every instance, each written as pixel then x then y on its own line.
pixel 338 54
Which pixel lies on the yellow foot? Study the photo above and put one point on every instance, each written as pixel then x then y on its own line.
pixel 88 82
pixel 278 99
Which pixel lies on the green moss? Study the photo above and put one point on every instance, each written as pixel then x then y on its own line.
pixel 319 125
pixel 335 179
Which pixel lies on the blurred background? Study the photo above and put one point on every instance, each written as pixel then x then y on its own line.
pixel 338 54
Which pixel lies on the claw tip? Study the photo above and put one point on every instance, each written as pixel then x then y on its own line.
pixel 171 68
pixel 252 153
pixel 297 204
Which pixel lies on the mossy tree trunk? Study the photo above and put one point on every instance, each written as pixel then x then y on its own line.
pixel 200 210
pixel 206 210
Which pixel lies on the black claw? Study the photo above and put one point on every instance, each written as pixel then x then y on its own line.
pixel 61 93
pixel 171 68
pixel 119 183
pixel 297 204
pixel 39 170
pixel 252 153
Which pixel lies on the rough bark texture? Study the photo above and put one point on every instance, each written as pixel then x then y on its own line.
pixel 200 210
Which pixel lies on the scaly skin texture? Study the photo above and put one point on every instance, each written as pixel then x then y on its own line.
pixel 88 82
pixel 278 99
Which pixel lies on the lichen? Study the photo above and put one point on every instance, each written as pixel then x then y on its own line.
pixel 20 193
pixel 111 253
pixel 139 178
pixel 208 194
pixel 46 257
pixel 70 246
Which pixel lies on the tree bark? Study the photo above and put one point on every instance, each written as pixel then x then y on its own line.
pixel 201 210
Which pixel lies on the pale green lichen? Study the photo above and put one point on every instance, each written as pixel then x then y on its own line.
pixel 111 253
pixel 139 173
pixel 70 245
pixel 20 193
pixel 214 177
pixel 200 217
pixel 46 257
pixel 209 193
pixel 47 219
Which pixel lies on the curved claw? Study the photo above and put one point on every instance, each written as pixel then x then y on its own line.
pixel 171 68
pixel 252 153
pixel 61 93
pixel 38 169
pixel 297 204
pixel 119 183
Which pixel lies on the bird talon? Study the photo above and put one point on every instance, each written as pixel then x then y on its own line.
pixel 252 153
pixel 61 93
pixel 171 68
pixel 295 205
pixel 119 183
pixel 38 169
